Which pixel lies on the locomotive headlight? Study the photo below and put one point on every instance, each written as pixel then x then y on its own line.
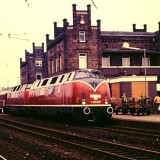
pixel 106 101
pixel 83 101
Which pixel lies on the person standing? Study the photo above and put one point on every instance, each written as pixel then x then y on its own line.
pixel 156 103
pixel 124 100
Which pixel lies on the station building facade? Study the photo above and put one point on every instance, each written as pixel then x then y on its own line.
pixel 82 45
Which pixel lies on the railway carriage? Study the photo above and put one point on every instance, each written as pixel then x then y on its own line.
pixel 3 101
pixel 83 94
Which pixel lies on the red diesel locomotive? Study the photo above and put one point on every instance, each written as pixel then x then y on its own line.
pixel 83 94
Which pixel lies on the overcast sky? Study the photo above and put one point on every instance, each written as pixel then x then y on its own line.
pixel 28 21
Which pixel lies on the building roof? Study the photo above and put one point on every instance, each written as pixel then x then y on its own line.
pixel 56 40
pixel 121 33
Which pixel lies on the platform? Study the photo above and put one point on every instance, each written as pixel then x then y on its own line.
pixel 151 118
pixel 152 121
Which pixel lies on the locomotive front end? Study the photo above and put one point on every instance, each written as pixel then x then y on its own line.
pixel 92 92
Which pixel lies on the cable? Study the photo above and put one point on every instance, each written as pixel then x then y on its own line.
pixel 94 4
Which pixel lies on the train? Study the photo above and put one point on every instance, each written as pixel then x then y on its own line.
pixel 81 94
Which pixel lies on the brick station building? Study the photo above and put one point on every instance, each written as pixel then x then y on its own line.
pixel 82 45
pixel 74 46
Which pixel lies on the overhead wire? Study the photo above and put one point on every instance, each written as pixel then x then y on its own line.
pixel 10 36
pixel 94 4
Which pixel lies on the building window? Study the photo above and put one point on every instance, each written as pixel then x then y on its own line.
pixel 38 62
pixel 60 62
pixel 145 61
pixel 82 60
pixel 106 61
pixel 57 66
pixel 38 76
pixel 81 36
pixel 52 66
pixel 125 61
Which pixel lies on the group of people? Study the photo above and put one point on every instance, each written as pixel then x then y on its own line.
pixel 142 100
pixel 155 104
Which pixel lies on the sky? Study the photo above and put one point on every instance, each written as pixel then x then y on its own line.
pixel 23 22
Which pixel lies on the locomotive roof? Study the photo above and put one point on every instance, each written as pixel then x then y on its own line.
pixel 20 88
pixel 52 80
pixel 60 78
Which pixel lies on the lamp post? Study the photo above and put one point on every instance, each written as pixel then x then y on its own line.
pixel 145 73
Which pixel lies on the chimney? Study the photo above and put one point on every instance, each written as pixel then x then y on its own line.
pixel 47 37
pixel 89 15
pixel 43 47
pixel 134 27
pixel 88 7
pixel 74 7
pixel 98 28
pixel 55 24
pixel 145 28
pixel 65 23
pixel 33 44
pixel 74 16
pixel 98 23
pixel 47 41
pixel 55 28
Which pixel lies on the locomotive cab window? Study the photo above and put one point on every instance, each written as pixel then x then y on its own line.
pixel 81 74
pixel 97 74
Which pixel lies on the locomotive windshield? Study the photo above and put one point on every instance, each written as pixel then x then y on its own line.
pixel 96 74
pixel 88 74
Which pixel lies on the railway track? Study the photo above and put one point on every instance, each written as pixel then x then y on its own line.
pixel 99 148
pixel 153 134
pixel 142 138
